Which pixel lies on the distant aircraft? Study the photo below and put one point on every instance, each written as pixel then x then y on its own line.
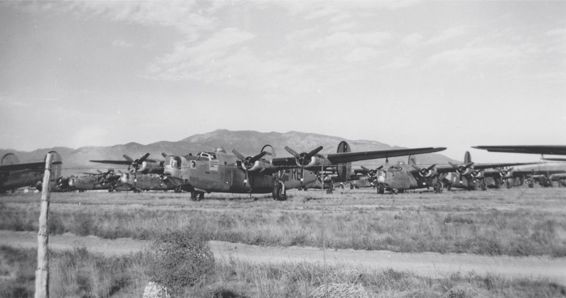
pixel 142 165
pixel 94 181
pixel 14 174
pixel 222 172
pixel 404 176
pixel 469 174
pixel 364 177
pixel 144 182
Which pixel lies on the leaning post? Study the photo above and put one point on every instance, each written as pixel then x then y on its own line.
pixel 42 272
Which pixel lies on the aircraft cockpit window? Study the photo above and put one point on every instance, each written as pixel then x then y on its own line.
pixel 207 155
pixel 174 162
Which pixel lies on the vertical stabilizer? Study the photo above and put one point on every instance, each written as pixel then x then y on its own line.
pixel 412 160
pixel 9 159
pixel 467 157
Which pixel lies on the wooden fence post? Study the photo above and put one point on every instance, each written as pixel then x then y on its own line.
pixel 42 272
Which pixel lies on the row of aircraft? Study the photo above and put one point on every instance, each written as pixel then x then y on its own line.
pixel 220 171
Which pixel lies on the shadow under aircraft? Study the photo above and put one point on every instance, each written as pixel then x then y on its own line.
pixel 14 174
pixel 235 173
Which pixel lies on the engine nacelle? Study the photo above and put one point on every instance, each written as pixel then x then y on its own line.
pixel 464 171
pixel 315 162
pixel 260 165
pixel 427 173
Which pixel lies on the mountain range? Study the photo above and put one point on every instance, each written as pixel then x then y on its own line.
pixel 246 141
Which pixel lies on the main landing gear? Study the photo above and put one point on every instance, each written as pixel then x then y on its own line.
pixel 279 191
pixel 438 187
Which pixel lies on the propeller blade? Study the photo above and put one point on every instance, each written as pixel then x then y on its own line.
pixel 453 165
pixel 416 168
pixel 431 167
pixel 257 157
pixel 164 154
pixel 143 158
pixel 126 157
pixel 380 167
pixel 292 152
pixel 239 155
pixel 314 151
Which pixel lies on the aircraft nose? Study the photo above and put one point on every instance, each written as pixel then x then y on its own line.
pixel 381 179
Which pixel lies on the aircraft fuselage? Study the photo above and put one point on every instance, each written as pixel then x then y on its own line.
pixel 220 173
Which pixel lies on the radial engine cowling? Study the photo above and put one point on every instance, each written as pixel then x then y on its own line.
pixel 259 165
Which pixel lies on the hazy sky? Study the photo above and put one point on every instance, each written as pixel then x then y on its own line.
pixel 407 73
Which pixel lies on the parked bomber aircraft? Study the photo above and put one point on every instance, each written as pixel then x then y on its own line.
pixel 470 175
pixel 222 172
pixel 401 177
pixel 14 174
pixel 94 181
pixel 140 165
pixel 143 182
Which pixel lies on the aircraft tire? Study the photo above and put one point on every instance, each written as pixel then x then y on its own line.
pixel 380 189
pixel 437 187
pixel 279 191
pixel 194 196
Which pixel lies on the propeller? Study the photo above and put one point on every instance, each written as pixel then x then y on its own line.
pixel 135 164
pixel 304 158
pixel 425 172
pixel 462 169
pixel 247 163
pixel 504 172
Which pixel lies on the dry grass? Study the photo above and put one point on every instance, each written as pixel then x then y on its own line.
pixel 80 274
pixel 506 222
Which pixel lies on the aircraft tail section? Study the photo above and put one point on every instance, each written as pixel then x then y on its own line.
pixel 9 159
pixel 467 157
pixel 344 170
pixel 412 161
pixel 56 165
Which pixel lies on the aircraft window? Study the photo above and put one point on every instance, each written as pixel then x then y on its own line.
pixel 208 155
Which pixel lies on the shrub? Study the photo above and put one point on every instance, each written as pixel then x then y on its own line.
pixel 179 260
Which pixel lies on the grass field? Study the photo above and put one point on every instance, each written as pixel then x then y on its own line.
pixel 81 274
pixel 516 222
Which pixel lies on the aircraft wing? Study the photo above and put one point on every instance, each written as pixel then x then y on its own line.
pixel 113 162
pixel 532 149
pixel 345 157
pixel 337 158
pixel 481 166
pixel 26 166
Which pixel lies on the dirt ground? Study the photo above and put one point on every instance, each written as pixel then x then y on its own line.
pixel 425 264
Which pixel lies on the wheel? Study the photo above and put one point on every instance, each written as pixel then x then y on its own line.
pixel 395 191
pixel 200 196
pixel 437 187
pixel 194 196
pixel 279 191
pixel 380 189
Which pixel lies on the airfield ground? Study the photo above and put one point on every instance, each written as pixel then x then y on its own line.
pixel 493 243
